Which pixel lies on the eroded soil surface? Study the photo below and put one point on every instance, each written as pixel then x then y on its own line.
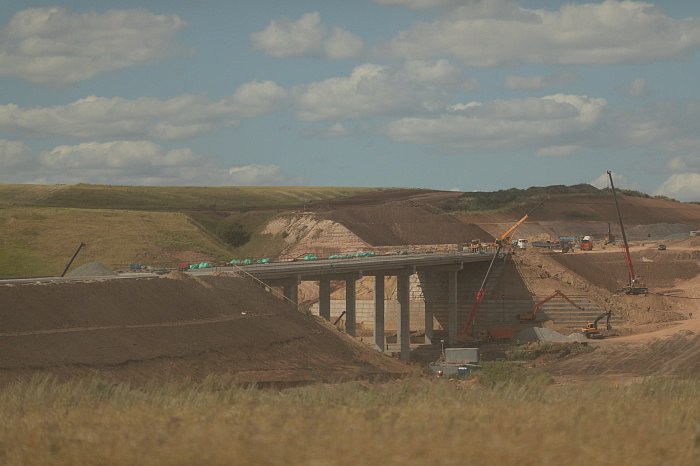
pixel 174 328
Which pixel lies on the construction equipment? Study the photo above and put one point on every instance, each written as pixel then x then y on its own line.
pixel 532 313
pixel 586 243
pixel 501 242
pixel 609 237
pixel 591 329
pixel 635 286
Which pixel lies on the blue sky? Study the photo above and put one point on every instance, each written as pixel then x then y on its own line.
pixel 472 95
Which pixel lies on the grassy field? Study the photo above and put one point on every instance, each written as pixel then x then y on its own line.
pixel 39 241
pixel 500 420
pixel 41 226
pixel 170 198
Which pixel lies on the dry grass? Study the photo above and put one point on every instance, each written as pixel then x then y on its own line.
pixel 413 421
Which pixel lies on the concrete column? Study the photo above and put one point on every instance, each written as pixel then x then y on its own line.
pixel 324 298
pixel 452 306
pixel 291 290
pixel 404 327
pixel 379 312
pixel 428 317
pixel 350 306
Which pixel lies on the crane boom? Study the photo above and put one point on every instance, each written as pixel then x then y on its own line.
pixel 634 287
pixel 501 241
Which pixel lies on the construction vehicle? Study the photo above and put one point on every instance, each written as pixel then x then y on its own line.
pixel 609 237
pixel 586 243
pixel 635 285
pixel 504 241
pixel 532 313
pixel 591 329
pixel 475 245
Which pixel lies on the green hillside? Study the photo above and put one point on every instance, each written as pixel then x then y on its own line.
pixel 41 226
pixel 227 198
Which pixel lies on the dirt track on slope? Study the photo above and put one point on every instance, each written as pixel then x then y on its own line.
pixel 140 330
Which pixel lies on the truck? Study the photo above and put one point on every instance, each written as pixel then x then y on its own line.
pixel 586 243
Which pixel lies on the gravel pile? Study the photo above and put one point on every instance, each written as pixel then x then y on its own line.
pixel 92 269
pixel 547 335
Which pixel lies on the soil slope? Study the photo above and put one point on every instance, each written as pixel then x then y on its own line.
pixel 173 328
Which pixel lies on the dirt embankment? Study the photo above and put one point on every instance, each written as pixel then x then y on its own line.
pixel 178 328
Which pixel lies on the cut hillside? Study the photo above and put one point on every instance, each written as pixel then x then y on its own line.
pixel 405 223
pixel 174 328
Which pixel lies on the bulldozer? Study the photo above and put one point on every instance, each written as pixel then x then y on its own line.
pixel 591 329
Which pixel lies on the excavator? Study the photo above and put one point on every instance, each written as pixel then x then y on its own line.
pixel 591 329
pixel 635 286
pixel 502 242
pixel 532 313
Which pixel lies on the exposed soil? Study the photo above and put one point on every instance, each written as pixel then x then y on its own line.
pixel 174 328
pixel 405 223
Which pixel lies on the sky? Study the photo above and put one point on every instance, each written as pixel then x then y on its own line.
pixel 468 95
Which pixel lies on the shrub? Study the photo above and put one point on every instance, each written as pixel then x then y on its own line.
pixel 232 233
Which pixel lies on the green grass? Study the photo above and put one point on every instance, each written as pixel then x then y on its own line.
pixel 40 241
pixel 171 198
pixel 411 421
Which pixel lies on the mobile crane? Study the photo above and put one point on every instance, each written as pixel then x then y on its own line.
pixel 501 242
pixel 635 286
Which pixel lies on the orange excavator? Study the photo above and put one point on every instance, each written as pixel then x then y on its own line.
pixel 532 313
pixel 502 242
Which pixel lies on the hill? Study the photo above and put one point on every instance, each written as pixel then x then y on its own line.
pixel 174 328
pixel 41 226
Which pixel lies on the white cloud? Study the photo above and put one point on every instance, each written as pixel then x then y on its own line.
pixel 336 130
pixel 378 90
pixel 128 163
pixel 250 175
pixel 558 151
pixel 177 118
pixel 15 155
pixel 342 44
pixel 505 124
pixel 492 33
pixel 54 46
pixel 306 37
pixel 417 4
pixel 636 88
pixel 534 83
pixel 682 186
pixel 621 182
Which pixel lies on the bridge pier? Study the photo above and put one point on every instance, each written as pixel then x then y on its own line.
pixel 404 324
pixel 350 305
pixel 324 298
pixel 291 289
pixel 452 307
pixel 379 312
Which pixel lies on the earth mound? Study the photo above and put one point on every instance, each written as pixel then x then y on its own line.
pixel 92 269
pixel 140 330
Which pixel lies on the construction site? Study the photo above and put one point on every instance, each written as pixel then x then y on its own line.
pixel 629 290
